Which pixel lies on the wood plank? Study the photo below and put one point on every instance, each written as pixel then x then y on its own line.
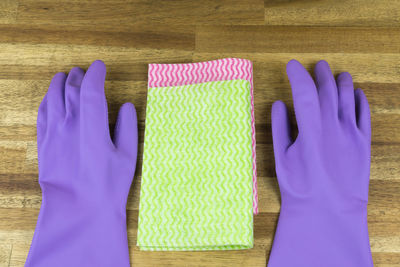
pixel 113 13
pixel 297 39
pixel 180 37
pixel 332 12
pixel 253 257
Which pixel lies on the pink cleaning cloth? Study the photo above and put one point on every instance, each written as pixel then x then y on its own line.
pixel 162 75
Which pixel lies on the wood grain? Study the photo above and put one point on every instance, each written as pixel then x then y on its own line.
pixel 298 39
pixel 333 12
pixel 8 11
pixel 40 38
pixel 139 12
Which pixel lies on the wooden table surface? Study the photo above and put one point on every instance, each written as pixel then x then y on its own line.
pixel 40 38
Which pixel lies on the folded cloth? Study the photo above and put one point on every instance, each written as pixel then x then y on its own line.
pixel 196 191
pixel 162 75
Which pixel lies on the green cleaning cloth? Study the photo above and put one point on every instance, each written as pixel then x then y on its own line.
pixel 196 191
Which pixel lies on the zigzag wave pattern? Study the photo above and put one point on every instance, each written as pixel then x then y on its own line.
pixel 162 75
pixel 196 191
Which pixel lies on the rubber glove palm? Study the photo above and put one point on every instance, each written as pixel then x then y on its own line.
pixel 324 174
pixel 84 176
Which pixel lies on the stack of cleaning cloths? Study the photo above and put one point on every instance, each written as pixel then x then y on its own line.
pixel 199 186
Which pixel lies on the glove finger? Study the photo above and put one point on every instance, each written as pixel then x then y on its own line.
pixel 305 98
pixel 346 98
pixel 327 91
pixel 280 129
pixel 363 113
pixel 41 125
pixel 93 104
pixel 126 132
pixel 72 91
pixel 55 99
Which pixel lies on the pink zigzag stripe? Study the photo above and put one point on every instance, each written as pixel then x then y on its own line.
pixel 162 75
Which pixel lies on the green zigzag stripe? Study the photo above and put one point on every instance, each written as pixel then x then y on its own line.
pixel 196 191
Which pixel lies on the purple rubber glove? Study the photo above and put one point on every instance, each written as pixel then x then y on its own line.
pixel 85 176
pixel 323 175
